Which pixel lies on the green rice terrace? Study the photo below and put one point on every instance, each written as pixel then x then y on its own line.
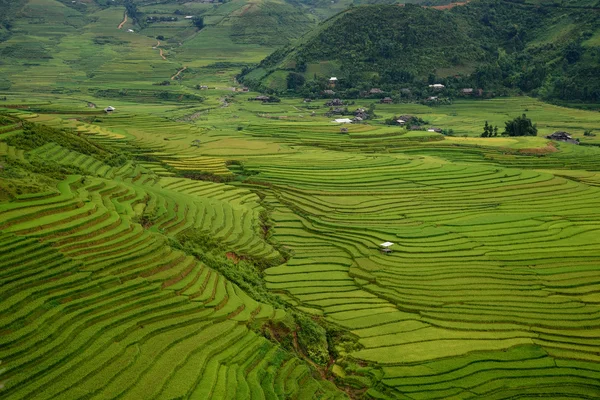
pixel 182 240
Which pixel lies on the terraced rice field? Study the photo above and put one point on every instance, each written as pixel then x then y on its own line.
pixel 95 305
pixel 492 284
pixel 491 290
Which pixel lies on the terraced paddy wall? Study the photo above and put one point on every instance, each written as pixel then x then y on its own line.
pixel 490 292
pixel 97 305
pixel 491 286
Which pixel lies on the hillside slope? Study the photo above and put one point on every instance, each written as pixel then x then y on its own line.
pixel 497 45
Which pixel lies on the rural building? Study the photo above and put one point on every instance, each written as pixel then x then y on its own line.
pixel 406 117
pixel 262 98
pixel 375 91
pixel 362 113
pixel 416 128
pixel 307 100
pixel 357 119
pixel 130 30
pixel 401 121
pixel 343 121
pixel 385 247
pixel 189 17
pixel 437 86
pixel 467 91
pixel 562 137
pixel 432 98
pixel 438 130
pixel 334 102
pixel 344 130
pixel 386 100
pixel 329 92
pixel 109 109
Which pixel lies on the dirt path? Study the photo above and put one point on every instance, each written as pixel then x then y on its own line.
pixel 160 51
pixel 178 72
pixel 122 23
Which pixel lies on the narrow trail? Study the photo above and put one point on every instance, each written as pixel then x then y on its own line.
pixel 160 51
pixel 122 23
pixel 178 72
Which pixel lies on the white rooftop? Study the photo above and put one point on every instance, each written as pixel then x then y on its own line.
pixel 333 78
pixel 343 121
pixel 386 244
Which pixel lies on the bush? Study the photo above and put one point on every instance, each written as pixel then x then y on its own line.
pixel 520 126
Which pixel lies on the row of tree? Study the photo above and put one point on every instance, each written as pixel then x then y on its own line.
pixel 520 126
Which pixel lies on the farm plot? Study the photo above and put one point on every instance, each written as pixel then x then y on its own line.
pixel 96 305
pixel 487 261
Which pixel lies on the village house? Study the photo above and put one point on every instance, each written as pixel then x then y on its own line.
pixel 386 100
pixel 438 130
pixel 307 100
pixel 467 91
pixel 361 113
pixel 562 137
pixel 400 122
pixel 343 130
pixel 343 121
pixel 437 86
pixel 357 120
pixel 329 92
pixel 332 81
pixel 262 98
pixel 375 91
pixel 109 109
pixel 406 117
pixel 432 98
pixel 334 102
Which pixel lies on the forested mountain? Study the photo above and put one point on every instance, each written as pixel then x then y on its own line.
pixel 550 50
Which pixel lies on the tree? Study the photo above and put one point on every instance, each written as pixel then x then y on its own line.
pixel 487 130
pixel 198 22
pixel 496 130
pixel 295 80
pixel 520 126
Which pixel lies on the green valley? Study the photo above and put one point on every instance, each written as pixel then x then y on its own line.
pixel 177 223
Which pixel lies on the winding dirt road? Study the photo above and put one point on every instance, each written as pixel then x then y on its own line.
pixel 160 51
pixel 122 23
pixel 178 72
